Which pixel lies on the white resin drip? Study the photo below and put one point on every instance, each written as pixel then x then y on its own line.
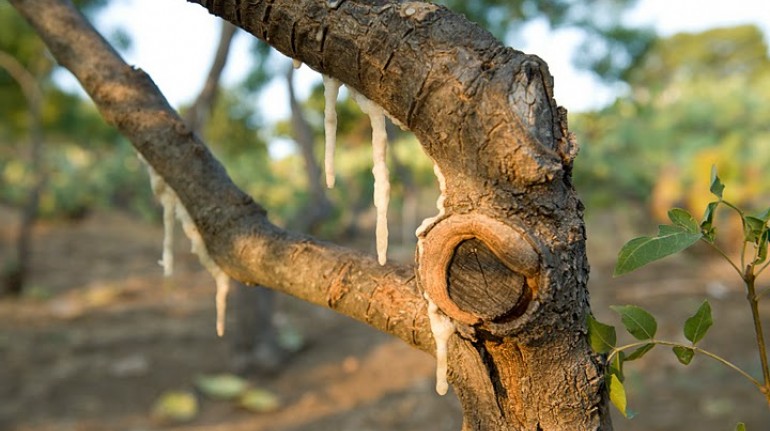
pixel 380 171
pixel 220 277
pixel 171 205
pixel 442 328
pixel 168 201
pixel 439 205
pixel 296 63
pixel 331 90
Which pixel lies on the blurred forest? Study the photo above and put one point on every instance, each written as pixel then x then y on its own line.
pixel 694 100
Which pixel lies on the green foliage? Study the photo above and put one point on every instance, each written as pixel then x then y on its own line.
pixel 682 116
pixel 637 321
pixel 641 251
pixel 696 326
pixel 684 354
pixel 602 337
pixel 642 326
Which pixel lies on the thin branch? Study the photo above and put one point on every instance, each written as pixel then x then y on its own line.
pixel 200 110
pixel 725 256
pixel 714 356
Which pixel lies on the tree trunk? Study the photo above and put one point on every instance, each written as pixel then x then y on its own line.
pixel 14 275
pixel 485 114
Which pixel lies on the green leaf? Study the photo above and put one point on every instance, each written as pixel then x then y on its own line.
pixel 740 427
pixel 752 229
pixel 684 219
pixel 638 353
pixel 222 386
pixel 707 225
pixel 684 354
pixel 638 322
pixel 696 326
pixel 641 251
pixel 618 395
pixel 601 336
pixel 716 187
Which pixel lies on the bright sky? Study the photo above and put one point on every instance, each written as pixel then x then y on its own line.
pixel 177 56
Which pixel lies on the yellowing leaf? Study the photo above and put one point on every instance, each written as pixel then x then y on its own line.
pixel 259 401
pixel 618 395
pixel 175 406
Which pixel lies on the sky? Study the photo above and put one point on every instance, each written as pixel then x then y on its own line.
pixel 177 57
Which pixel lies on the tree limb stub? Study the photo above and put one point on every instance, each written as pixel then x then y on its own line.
pixel 236 231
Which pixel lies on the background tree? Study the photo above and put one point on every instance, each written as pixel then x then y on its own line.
pixel 681 124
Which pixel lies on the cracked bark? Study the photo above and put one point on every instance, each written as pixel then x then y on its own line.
pixel 485 114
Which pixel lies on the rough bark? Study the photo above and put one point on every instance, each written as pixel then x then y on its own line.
pixel 15 275
pixel 485 114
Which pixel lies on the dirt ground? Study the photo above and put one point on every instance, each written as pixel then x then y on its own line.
pixel 101 335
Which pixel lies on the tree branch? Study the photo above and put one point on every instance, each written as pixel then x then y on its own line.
pixel 201 108
pixel 236 231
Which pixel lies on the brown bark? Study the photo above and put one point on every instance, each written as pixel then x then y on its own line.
pixel 254 341
pixel 15 274
pixel 484 113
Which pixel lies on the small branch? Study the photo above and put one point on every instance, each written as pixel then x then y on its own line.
pixel 199 113
pixel 725 256
pixel 749 279
pixel 713 356
pixel 762 269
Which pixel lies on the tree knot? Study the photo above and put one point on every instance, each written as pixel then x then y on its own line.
pixel 480 270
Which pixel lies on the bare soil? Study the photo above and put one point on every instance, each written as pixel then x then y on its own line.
pixel 101 335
